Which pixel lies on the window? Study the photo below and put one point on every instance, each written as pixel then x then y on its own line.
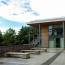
pixel 55 31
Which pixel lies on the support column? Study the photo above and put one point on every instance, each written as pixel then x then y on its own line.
pixel 39 36
pixel 63 34
pixel 29 37
pixel 33 41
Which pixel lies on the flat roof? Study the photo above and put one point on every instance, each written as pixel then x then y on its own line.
pixel 46 20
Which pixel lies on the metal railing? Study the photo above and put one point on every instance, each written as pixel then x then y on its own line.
pixel 35 42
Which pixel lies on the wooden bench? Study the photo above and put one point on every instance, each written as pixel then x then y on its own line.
pixel 18 54
pixel 31 51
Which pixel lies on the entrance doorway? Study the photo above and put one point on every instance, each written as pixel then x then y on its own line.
pixel 57 42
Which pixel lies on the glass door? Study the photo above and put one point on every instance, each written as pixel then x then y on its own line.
pixel 57 42
pixel 55 36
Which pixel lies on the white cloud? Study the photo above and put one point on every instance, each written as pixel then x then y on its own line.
pixel 46 9
pixel 16 30
pixel 49 8
pixel 3 30
pixel 14 8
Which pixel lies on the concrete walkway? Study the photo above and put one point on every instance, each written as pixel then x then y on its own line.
pixel 34 60
pixel 60 60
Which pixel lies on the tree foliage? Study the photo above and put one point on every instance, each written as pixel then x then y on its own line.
pixel 1 38
pixel 10 37
pixel 22 37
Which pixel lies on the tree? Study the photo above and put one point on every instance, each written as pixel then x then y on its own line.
pixel 1 38
pixel 23 35
pixel 9 37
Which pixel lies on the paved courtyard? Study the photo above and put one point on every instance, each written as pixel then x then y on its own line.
pixel 60 60
pixel 34 60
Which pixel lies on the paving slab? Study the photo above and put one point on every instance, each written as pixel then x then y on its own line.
pixel 60 60
pixel 34 60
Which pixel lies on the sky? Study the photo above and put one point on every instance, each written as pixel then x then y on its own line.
pixel 16 13
pixel 6 24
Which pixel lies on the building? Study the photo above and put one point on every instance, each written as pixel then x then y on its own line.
pixel 51 32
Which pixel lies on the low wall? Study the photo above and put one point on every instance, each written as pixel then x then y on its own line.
pixel 14 48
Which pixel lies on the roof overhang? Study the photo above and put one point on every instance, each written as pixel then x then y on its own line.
pixel 46 21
